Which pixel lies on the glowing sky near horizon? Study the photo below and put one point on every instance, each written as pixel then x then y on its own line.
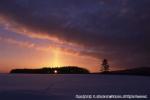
pixel 36 33
pixel 19 51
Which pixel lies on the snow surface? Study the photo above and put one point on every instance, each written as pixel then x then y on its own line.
pixel 65 87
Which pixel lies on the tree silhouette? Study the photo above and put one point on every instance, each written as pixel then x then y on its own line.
pixel 46 70
pixel 105 65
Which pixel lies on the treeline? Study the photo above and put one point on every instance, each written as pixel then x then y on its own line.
pixel 58 70
pixel 144 71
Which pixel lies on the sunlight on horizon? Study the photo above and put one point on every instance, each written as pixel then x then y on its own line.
pixel 24 57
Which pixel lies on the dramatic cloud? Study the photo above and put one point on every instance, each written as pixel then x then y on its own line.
pixel 114 29
pixel 45 48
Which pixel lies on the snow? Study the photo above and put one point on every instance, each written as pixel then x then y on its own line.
pixel 65 87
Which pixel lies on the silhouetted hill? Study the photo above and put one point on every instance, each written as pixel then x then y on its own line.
pixel 135 71
pixel 60 70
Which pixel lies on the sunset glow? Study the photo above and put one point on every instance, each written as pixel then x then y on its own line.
pixel 29 55
pixel 36 33
pixel 56 58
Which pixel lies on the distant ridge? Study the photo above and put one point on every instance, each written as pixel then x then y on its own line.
pixel 58 70
pixel 145 71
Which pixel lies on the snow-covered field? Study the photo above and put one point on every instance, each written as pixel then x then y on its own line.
pixel 65 87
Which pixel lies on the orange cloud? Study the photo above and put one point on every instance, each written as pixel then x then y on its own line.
pixel 13 41
pixel 38 47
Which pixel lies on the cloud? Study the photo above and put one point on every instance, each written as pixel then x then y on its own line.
pixel 44 48
pixel 16 42
pixel 117 30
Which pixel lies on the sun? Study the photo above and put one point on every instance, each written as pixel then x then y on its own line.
pixel 55 71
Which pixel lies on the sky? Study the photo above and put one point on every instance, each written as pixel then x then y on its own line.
pixel 43 33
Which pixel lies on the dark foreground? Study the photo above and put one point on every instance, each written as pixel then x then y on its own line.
pixel 66 87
